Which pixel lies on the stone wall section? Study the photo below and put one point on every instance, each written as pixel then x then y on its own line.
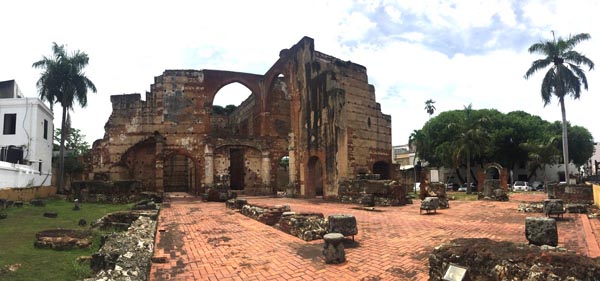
pixel 315 109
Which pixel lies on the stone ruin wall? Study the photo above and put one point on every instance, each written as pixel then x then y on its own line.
pixel 309 106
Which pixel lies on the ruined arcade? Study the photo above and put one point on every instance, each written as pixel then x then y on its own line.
pixel 315 110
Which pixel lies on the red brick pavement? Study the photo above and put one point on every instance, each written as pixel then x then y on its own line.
pixel 206 241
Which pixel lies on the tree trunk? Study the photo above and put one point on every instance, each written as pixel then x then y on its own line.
pixel 61 157
pixel 468 171
pixel 565 139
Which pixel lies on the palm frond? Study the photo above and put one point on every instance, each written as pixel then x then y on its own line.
pixel 537 65
pixel 548 86
pixel 580 74
pixel 578 38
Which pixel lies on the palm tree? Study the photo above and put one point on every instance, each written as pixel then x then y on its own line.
pixel 63 81
pixel 469 142
pixel 429 107
pixel 564 77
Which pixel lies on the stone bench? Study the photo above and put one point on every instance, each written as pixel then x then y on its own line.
pixel 344 224
pixel 429 204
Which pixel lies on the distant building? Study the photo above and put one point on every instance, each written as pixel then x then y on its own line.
pixel 26 139
pixel 403 156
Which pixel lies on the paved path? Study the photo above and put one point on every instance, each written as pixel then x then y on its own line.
pixel 206 241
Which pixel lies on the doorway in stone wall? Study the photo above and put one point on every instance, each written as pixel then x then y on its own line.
pixel 236 168
pixel 383 169
pixel 179 174
pixel 315 177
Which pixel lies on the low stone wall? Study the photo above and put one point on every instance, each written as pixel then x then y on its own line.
pixel 572 193
pixel 306 226
pixel 491 260
pixel 27 193
pixel 269 215
pixel 125 191
pixel 371 192
pixel 126 255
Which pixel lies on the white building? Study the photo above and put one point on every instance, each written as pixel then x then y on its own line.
pixel 25 139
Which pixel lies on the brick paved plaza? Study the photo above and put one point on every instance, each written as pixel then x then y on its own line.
pixel 206 241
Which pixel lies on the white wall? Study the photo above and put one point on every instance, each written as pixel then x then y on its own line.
pixel 29 134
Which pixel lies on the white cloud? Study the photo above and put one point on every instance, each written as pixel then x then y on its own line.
pixel 131 42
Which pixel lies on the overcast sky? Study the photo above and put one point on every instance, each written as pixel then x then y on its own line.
pixel 454 52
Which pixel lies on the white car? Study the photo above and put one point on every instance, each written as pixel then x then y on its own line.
pixel 522 186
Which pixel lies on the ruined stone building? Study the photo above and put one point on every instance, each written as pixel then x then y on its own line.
pixel 314 110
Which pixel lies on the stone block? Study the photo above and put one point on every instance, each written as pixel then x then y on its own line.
pixel 333 249
pixel 344 224
pixel 541 231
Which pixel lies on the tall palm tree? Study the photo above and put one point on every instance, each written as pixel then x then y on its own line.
pixel 470 141
pixel 564 77
pixel 63 81
pixel 429 107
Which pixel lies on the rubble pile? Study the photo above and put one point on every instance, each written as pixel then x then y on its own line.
pixel 306 226
pixel 436 190
pixel 126 255
pixel 268 215
pixel 492 260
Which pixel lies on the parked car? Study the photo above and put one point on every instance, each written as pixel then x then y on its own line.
pixel 537 185
pixel 522 186
pixel 462 188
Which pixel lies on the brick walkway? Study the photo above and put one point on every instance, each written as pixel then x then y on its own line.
pixel 206 241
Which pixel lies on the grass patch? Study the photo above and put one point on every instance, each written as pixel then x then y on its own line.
pixel 17 235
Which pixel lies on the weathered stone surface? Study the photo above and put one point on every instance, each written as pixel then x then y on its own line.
pixel 123 219
pixel 63 239
pixel 553 207
pixel 315 108
pixel 531 207
pixel 492 260
pixel 269 215
pixel 146 204
pixel 499 195
pixel 429 204
pixel 576 208
pixel 126 255
pixel 306 226
pixel 372 192
pixel 541 231
pixel 333 248
pixel 344 224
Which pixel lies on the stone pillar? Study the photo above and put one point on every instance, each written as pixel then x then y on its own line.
pixel 158 168
pixel 265 169
pixel 292 160
pixel 208 166
pixel 333 249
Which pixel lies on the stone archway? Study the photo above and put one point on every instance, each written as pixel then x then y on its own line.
pixel 492 176
pixel 179 173
pixel 314 184
pixel 383 169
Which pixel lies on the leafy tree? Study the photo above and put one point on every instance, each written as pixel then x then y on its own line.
pixel 63 81
pixel 541 153
pixel 75 141
pixel 564 76
pixel 429 107
pixel 472 134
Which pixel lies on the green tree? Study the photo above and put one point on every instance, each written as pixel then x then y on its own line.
pixel 470 141
pixel 63 81
pixel 429 107
pixel 75 141
pixel 542 153
pixel 564 76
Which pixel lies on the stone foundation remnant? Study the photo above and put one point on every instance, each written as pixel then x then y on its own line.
pixel 269 215
pixel 344 224
pixel 371 193
pixel 333 248
pixel 316 113
pixel 492 260
pixel 126 255
pixel 63 239
pixel 541 231
pixel 554 207
pixel 306 226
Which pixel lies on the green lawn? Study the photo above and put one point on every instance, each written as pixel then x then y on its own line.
pixel 17 235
